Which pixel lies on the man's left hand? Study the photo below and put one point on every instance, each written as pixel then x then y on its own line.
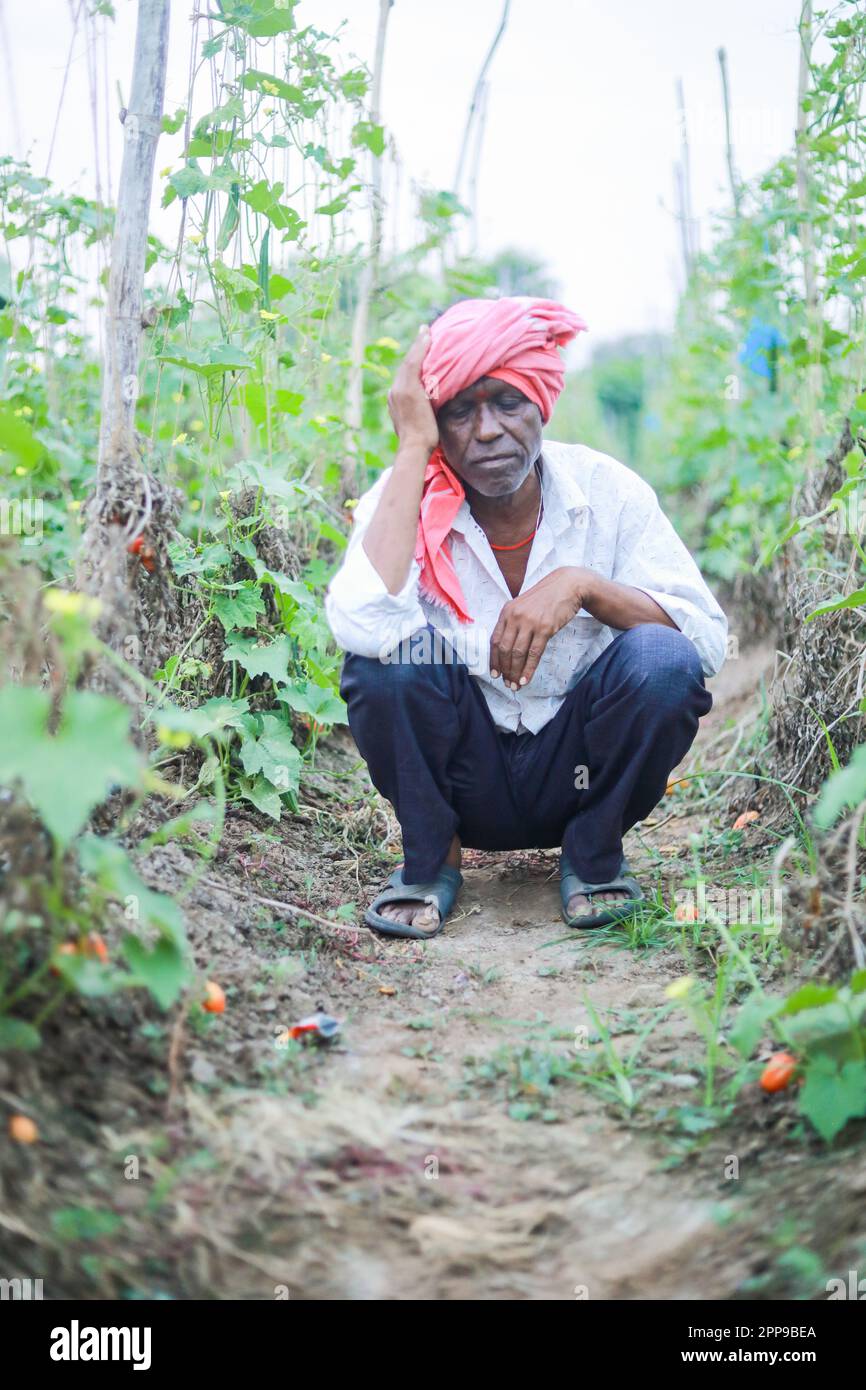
pixel 527 623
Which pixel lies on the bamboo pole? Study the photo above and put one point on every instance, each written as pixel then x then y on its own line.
pixel 729 146
pixel 128 501
pixel 689 226
pixel 123 322
pixel 476 97
pixel 807 232
pixel 370 269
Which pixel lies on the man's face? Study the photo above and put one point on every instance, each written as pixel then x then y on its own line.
pixel 491 436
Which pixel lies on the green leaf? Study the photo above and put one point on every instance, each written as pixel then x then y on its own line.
pixel 279 287
pixel 263 795
pixel 845 788
pixel 286 585
pixel 810 996
pixel 18 439
pixel 261 19
pixel 237 286
pixel 217 713
pixel 281 401
pixel 626 1090
pixel 67 774
pixel 273 86
pixel 833 1095
pixel 222 712
pixel 521 1110
pixel 322 705
pixel 172 124
pixel 213 361
pixel 265 198
pixel 239 609
pixel 274 754
pixel 371 135
pixel 18 1036
pixel 751 1021
pixel 106 861
pixel 184 559
pixel 270 659
pixel 336 205
pixel 188 181
pixel 162 969
pixel 223 115
pixel 89 977
pixel 833 605
pixel 84 1223
pixel 354 83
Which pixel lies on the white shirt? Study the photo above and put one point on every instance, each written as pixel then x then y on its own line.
pixel 598 514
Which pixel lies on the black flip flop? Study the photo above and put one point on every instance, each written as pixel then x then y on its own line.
pixel 441 893
pixel 570 883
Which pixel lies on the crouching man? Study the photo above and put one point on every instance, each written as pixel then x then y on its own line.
pixel 527 636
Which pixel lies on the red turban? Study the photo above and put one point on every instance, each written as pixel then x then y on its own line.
pixel 515 340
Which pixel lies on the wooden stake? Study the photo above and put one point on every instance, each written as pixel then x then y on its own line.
pixel 370 269
pixel 729 147
pixel 689 226
pixel 807 233
pixel 141 125
pixel 476 97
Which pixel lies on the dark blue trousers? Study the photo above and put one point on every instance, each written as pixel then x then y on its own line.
pixel 432 749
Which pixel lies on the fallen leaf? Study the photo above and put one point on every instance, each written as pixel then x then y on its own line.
pixel 745 819
pixel 387 989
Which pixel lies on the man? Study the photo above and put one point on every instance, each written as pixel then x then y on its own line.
pixel 527 634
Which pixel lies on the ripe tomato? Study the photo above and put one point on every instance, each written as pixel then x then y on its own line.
pixel 215 999
pixel 778 1071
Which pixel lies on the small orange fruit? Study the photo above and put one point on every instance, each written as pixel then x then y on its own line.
pixel 745 819
pixel 214 998
pixel 778 1071
pixel 22 1130
pixel 94 945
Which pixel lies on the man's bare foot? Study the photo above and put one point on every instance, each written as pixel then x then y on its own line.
pixel 422 916
pixel 579 905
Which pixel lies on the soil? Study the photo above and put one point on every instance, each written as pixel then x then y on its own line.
pixel 461 1137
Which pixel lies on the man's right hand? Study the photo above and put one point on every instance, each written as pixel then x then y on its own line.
pixel 408 402
pixel 391 535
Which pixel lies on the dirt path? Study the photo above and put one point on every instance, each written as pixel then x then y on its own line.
pixel 472 1201
pixel 439 1161
pixel 464 1137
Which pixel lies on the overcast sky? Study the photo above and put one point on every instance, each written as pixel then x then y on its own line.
pixel 581 130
